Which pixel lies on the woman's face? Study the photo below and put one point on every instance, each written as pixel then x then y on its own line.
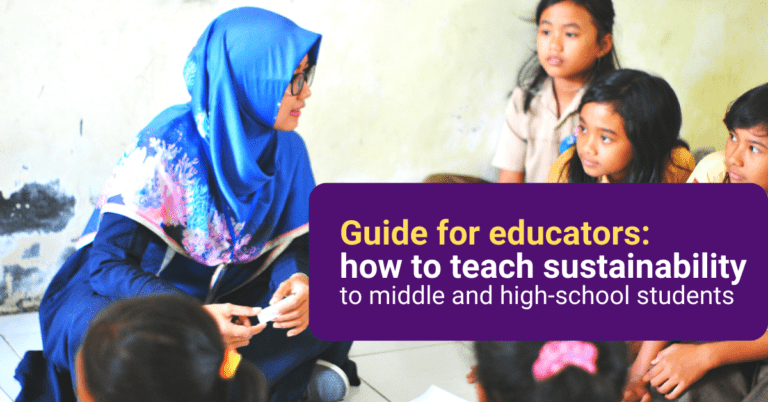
pixel 290 108
pixel 602 142
pixel 746 156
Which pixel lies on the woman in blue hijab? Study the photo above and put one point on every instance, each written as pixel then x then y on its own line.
pixel 210 200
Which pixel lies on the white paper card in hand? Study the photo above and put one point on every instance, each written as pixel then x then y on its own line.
pixel 271 312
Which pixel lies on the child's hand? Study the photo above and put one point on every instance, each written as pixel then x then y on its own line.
pixel 636 390
pixel 677 367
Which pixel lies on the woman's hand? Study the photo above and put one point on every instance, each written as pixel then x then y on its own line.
pixel 677 367
pixel 294 312
pixel 234 324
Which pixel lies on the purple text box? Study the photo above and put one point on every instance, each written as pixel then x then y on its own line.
pixel 720 226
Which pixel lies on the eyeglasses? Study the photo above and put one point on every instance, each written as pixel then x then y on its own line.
pixel 298 80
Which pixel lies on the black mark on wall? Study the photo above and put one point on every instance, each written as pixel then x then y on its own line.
pixel 32 252
pixel 36 208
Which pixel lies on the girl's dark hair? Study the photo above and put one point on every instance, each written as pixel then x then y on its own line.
pixel 162 348
pixel 505 371
pixel 652 119
pixel 747 111
pixel 532 74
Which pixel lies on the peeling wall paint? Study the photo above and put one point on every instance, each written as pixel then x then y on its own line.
pixel 32 252
pixel 15 294
pixel 404 88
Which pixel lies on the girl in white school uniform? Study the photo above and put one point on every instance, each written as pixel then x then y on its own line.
pixel 574 44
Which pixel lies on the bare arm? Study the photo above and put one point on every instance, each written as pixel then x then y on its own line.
pixel 730 352
pixel 680 365
pixel 509 176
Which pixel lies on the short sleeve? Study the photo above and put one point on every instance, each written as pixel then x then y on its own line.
pixel 511 151
pixel 711 169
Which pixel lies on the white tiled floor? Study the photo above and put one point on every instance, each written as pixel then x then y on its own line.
pixel 390 371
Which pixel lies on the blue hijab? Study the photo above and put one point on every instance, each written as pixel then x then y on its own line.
pixel 213 178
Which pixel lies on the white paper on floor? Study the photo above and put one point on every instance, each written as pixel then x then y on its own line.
pixel 435 393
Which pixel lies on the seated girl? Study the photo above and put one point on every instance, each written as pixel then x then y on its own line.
pixel 629 126
pixel 574 44
pixel 715 371
pixel 558 371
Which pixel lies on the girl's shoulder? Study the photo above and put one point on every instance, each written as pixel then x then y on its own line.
pixel 683 157
pixel 537 89
pixel 558 173
pixel 680 166
pixel 714 159
pixel 537 97
pixel 711 169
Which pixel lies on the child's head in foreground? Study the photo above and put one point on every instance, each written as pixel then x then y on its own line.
pixel 161 348
pixel 746 151
pixel 556 371
pixel 629 124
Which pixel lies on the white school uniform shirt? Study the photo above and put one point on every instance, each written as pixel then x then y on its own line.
pixel 531 141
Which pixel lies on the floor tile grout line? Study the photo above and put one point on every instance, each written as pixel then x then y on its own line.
pixel 6 394
pixel 374 389
pixel 9 345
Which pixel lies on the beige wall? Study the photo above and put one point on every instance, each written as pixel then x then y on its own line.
pixel 404 88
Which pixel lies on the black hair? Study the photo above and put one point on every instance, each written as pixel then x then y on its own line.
pixel 747 111
pixel 162 348
pixel 652 120
pixel 505 371
pixel 532 74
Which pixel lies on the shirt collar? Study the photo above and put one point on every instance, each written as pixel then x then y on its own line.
pixel 549 102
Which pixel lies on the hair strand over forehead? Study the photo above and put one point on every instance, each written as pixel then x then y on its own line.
pixel 652 120
pixel 749 110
